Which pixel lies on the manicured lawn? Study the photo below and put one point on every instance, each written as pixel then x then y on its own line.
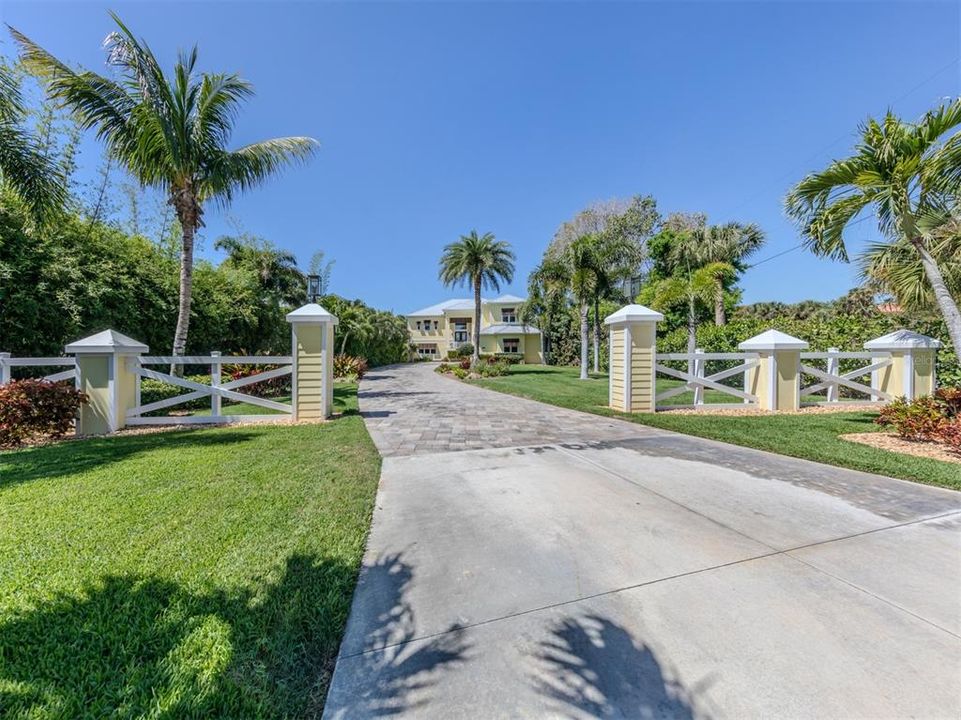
pixel 814 437
pixel 194 573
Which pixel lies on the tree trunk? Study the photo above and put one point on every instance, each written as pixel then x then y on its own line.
pixel 186 289
pixel 946 303
pixel 720 318
pixel 597 336
pixel 691 334
pixel 475 358
pixel 343 343
pixel 585 332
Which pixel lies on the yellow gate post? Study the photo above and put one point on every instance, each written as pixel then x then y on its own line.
pixel 912 369
pixel 776 380
pixel 633 345
pixel 104 375
pixel 312 348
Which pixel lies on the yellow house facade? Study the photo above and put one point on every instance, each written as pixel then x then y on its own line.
pixel 438 329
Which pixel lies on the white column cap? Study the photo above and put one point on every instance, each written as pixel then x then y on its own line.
pixel 902 340
pixel 311 313
pixel 773 340
pixel 108 341
pixel 633 313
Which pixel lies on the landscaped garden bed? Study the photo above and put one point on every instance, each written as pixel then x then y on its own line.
pixel 812 435
pixel 202 573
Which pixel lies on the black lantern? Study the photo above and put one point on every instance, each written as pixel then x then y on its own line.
pixel 313 288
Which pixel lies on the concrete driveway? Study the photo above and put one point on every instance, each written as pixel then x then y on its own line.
pixel 579 567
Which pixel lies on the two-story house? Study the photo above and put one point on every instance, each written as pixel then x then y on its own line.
pixel 447 325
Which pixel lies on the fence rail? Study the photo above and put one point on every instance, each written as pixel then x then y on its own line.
pixel 8 362
pixel 697 380
pixel 830 379
pixel 217 390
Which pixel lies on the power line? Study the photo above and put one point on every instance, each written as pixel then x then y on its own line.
pixel 800 245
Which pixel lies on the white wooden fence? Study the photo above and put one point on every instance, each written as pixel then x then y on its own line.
pixel 217 390
pixel 829 379
pixel 823 367
pixel 7 363
pixel 697 380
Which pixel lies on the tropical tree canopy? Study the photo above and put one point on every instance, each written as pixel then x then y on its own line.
pixel 169 132
pixel 908 175
pixel 24 168
pixel 480 261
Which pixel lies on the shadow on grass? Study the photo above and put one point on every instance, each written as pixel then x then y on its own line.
pixel 144 646
pixel 77 456
pixel 591 666
pixel 382 672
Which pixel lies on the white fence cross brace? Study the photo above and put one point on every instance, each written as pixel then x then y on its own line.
pixel 697 381
pixel 831 379
pixel 216 391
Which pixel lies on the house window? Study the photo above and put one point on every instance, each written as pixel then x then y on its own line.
pixel 508 315
pixel 436 324
pixel 460 331
pixel 512 345
pixel 427 350
pixel 418 324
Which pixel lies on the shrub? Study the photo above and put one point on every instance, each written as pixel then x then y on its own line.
pixel 348 366
pixel 444 368
pixel 465 350
pixel 262 388
pixel 154 390
pixel 37 408
pixel 950 398
pixel 493 369
pixel 950 434
pixel 512 358
pixel 464 363
pixel 460 372
pixel 920 419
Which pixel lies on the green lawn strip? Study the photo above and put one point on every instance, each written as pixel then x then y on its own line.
pixel 812 437
pixel 202 572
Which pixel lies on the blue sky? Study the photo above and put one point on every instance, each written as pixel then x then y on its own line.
pixel 436 118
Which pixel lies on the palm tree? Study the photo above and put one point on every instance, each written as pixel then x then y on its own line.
pixel 355 321
pixel 276 271
pixel 689 288
pixel 730 244
pixel 903 172
pixel 170 132
pixel 586 281
pixel 483 262
pixel 24 167
pixel 547 294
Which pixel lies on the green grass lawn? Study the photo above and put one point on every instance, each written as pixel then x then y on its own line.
pixel 187 573
pixel 814 437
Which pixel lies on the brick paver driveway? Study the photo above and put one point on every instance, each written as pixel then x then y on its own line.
pixel 578 567
pixel 411 410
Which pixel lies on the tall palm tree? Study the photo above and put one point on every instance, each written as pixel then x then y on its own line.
pixel 24 167
pixel 688 288
pixel 170 132
pixel 730 244
pixel 483 262
pixel 586 281
pixel 548 286
pixel 902 172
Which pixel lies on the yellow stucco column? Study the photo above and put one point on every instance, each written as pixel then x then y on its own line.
pixel 912 370
pixel 312 348
pixel 777 379
pixel 104 374
pixel 633 345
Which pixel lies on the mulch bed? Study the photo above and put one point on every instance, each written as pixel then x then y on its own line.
pixel 888 441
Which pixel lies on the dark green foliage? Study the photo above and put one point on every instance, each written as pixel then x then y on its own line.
pixel 72 278
pixel 36 409
pixel 465 350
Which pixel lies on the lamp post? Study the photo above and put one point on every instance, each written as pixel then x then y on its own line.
pixel 313 288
